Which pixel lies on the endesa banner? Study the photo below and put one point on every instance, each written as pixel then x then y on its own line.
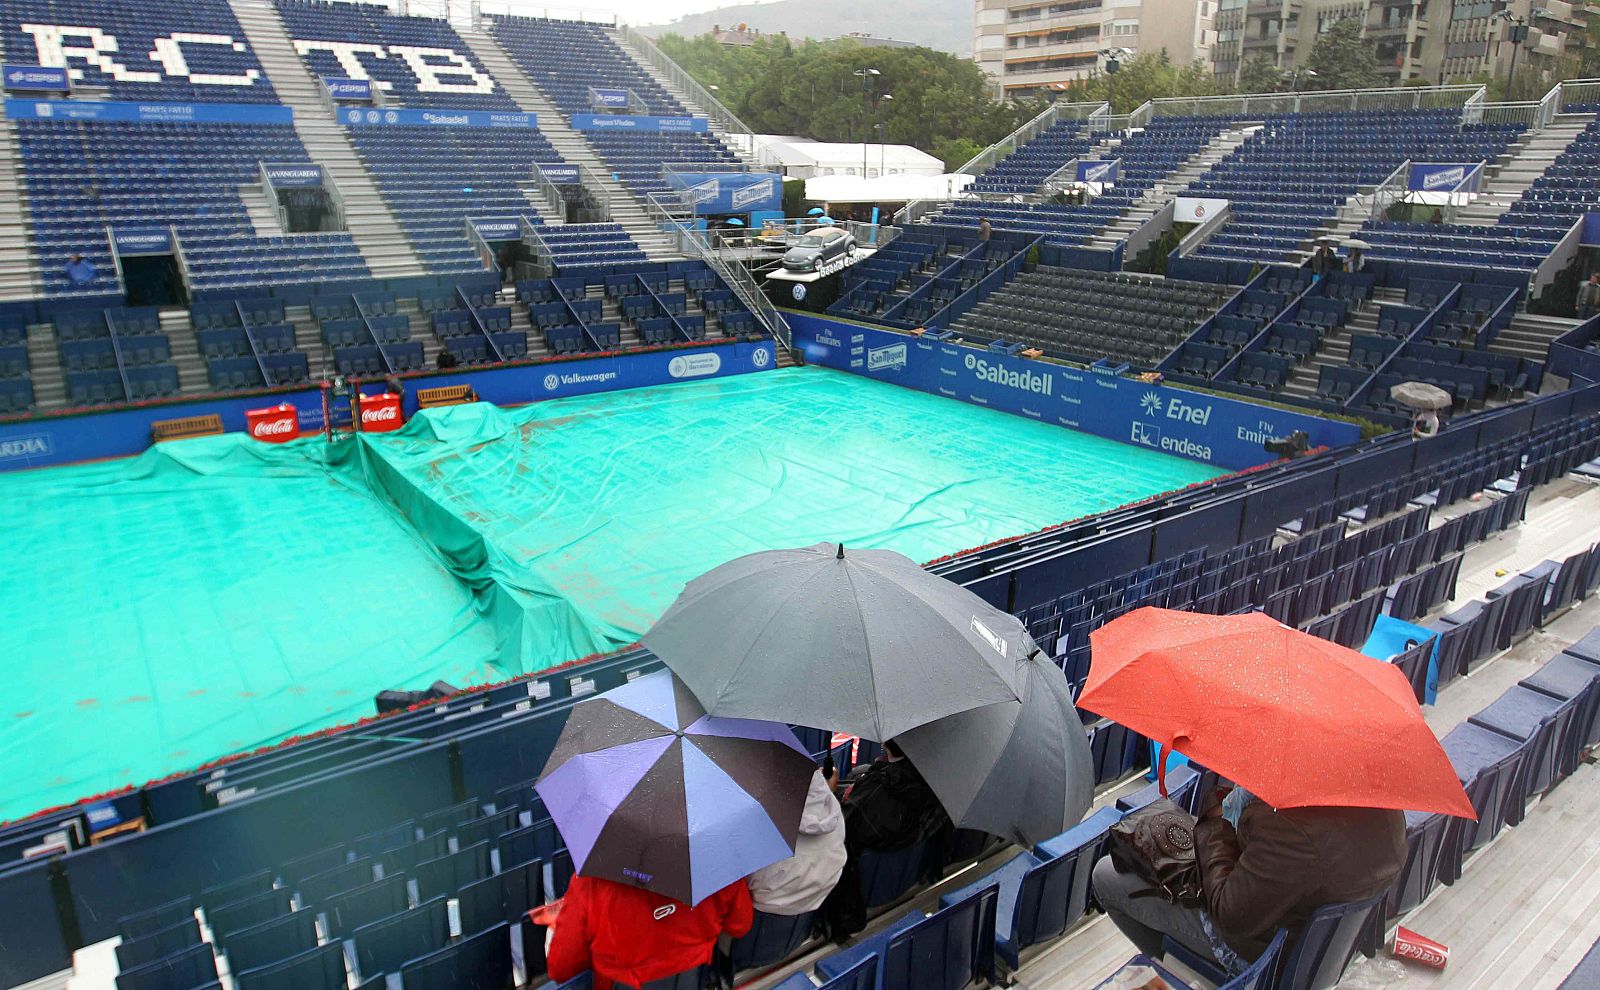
pixel 1445 177
pixel 1228 433
pixel 621 122
pixel 36 78
pixel 182 113
pixel 731 192
pixel 357 117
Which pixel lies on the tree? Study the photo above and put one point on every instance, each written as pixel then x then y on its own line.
pixel 941 103
pixel 1146 76
pixel 1258 74
pixel 1343 59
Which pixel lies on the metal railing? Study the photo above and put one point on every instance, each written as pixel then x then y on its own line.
pixel 1577 91
pixel 541 248
pixel 698 244
pixel 1108 123
pixel 558 13
pixel 1151 230
pixel 1549 106
pixel 720 115
pixel 553 199
pixel 1196 237
pixel 1508 113
pixel 116 260
pixel 1256 105
pixel 992 155
pixel 1389 192
pixel 1060 180
pixel 1472 110
pixel 486 253
pixel 177 256
pixel 1558 259
pixel 595 186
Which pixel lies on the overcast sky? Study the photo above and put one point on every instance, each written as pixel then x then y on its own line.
pixel 630 11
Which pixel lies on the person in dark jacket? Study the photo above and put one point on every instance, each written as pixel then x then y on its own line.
pixel 887 807
pixel 1272 871
pixel 631 936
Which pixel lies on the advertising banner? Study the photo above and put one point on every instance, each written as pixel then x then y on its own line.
pixel 622 122
pixel 172 113
pixel 295 176
pixel 608 98
pixel 731 192
pixel 1225 432
pixel 31 443
pixel 1102 172
pixel 372 117
pixel 499 229
pixel 1590 236
pixel 351 90
pixel 1444 177
pixel 131 242
pixel 1189 209
pixel 561 175
pixel 36 78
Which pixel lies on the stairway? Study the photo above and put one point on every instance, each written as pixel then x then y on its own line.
pixel 626 209
pixel 1158 195
pixel 193 378
pixel 261 210
pixel 738 145
pixel 1530 158
pixel 44 367
pixel 377 234
pixel 19 269
pixel 1334 349
pixel 1529 335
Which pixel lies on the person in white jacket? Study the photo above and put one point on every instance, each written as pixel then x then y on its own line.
pixel 803 881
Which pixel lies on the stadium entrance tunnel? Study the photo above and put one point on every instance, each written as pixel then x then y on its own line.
pixel 153 280
pixel 309 211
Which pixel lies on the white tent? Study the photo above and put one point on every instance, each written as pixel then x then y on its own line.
pixel 884 188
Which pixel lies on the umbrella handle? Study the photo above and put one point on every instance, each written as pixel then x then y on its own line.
pixel 1166 755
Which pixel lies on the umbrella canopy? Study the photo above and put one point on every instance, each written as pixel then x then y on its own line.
pixel 649 791
pixel 864 642
pixel 815 211
pixel 1357 244
pixel 1296 720
pixel 1420 395
pixel 735 222
pixel 1017 769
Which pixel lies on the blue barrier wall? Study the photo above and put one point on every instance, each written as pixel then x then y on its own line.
pixel 46 441
pixel 1225 432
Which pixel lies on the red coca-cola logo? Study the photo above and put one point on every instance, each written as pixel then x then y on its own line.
pixel 273 427
pixel 382 414
pixel 1419 949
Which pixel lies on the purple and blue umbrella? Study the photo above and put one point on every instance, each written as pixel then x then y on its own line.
pixel 650 791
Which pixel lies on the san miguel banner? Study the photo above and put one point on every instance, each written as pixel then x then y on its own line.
pixel 622 122
pixel 1445 177
pixel 1105 173
pixel 1200 426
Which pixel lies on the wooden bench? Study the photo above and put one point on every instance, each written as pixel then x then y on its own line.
pixel 448 395
pixel 182 429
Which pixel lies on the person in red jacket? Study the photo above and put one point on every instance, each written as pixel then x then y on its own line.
pixel 631 936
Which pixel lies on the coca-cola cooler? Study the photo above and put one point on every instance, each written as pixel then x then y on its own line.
pixel 274 424
pixel 381 413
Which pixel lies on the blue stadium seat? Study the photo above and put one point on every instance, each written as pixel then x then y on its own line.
pixel 271 941
pixel 185 968
pixel 321 968
pixel 951 949
pixel 478 962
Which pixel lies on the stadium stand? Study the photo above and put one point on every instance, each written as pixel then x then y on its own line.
pixel 165 51
pixel 566 59
pixel 83 176
pixel 1085 316
pixel 478 834
pixel 1299 169
pixel 414 61
pixel 1025 170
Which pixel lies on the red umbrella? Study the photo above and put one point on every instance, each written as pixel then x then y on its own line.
pixel 1296 720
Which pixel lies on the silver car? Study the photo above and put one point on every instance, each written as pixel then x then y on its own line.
pixel 817 248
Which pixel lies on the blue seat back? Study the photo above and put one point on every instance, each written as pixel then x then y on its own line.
pixel 1327 943
pixel 772 938
pixel 478 962
pixel 1258 975
pixel 948 950
pixel 1054 895
pixel 389 943
pixel 187 968
pixel 887 875
pixel 321 968
pixel 137 952
pixel 272 941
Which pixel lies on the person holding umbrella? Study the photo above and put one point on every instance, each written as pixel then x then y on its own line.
pixel 1330 743
pixel 665 812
